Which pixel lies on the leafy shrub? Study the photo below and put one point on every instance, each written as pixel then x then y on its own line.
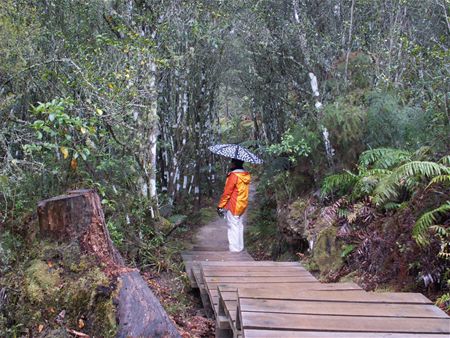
pixel 346 121
pixel 10 246
pixel 292 145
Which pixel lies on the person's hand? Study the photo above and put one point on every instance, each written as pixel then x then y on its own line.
pixel 220 212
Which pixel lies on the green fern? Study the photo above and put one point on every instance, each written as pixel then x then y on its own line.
pixel 383 158
pixel 443 179
pixel 342 183
pixel 426 221
pixel 445 160
pixel 422 168
pixel 367 182
pixel 407 176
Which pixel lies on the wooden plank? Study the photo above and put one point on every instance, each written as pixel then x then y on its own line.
pixel 211 287
pixel 228 308
pixel 292 286
pixel 257 268
pixel 276 279
pixel 191 255
pixel 197 273
pixel 222 322
pixel 341 308
pixel 255 320
pixel 335 296
pixel 248 263
pixel 239 274
pixel 318 334
pixel 227 298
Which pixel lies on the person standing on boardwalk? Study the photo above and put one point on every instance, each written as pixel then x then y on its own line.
pixel 234 201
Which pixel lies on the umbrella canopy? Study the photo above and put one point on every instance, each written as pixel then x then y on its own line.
pixel 235 151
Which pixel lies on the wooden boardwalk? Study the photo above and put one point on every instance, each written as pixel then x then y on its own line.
pixel 254 299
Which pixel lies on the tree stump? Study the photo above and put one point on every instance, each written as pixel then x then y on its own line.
pixel 78 216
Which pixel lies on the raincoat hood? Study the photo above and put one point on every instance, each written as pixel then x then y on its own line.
pixel 242 175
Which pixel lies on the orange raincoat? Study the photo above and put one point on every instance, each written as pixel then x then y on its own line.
pixel 235 194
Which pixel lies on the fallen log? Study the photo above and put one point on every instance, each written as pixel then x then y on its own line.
pixel 78 216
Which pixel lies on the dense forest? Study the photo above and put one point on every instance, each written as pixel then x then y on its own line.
pixel 347 102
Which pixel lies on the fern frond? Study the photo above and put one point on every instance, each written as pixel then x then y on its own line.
pixel 407 176
pixel 377 172
pixel 392 206
pixel 386 190
pixel 342 182
pixel 445 160
pixel 383 158
pixel 422 168
pixel 444 179
pixel 365 186
pixel 423 153
pixel 428 219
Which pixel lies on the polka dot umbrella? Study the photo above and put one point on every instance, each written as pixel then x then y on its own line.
pixel 235 151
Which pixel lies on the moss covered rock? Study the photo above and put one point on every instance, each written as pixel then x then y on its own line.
pixel 163 225
pixel 292 219
pixel 327 251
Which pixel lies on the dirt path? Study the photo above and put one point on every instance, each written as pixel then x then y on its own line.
pixel 212 235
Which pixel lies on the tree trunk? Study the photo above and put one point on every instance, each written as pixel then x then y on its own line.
pixel 78 216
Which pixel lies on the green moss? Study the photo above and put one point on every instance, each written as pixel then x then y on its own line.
pixel 41 281
pixel 297 209
pixel 327 251
pixel 59 278
pixel 163 225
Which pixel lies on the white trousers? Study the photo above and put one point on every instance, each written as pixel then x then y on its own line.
pixel 235 232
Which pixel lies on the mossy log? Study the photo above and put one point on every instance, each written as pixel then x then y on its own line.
pixel 78 216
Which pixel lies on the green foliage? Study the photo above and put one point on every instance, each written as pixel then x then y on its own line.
pixel 384 173
pixel 428 221
pixel 383 125
pixel 72 135
pixel 390 124
pixel 383 158
pixel 10 246
pixel 345 119
pixel 347 250
pixel 338 183
pixel 291 146
pixel 408 176
pixel 444 302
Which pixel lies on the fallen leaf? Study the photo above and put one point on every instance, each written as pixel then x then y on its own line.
pixel 74 164
pixel 40 328
pixel 51 310
pixel 80 323
pixel 64 151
